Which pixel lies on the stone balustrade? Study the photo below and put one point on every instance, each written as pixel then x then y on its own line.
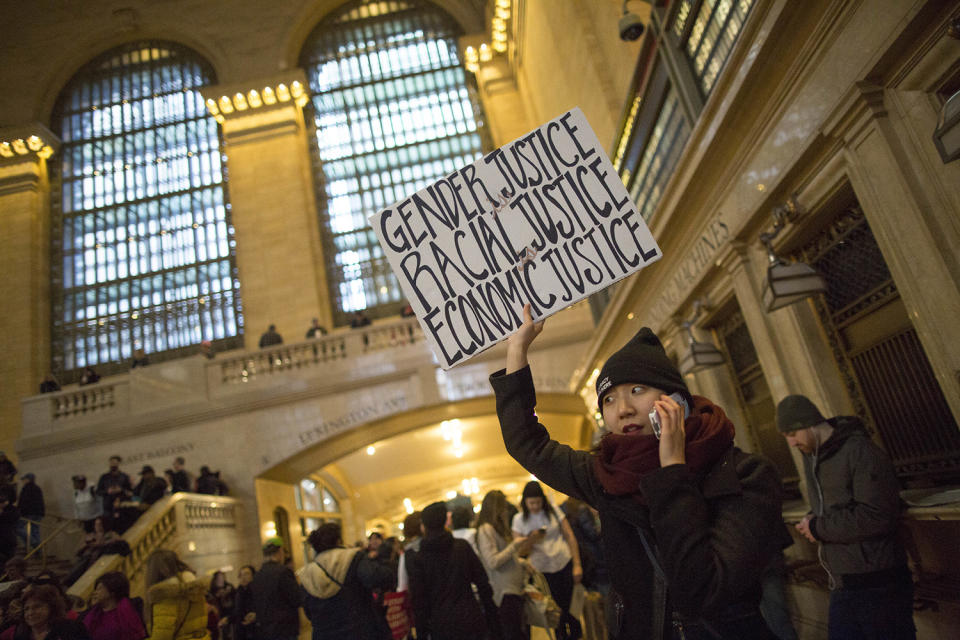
pixel 171 523
pixel 172 383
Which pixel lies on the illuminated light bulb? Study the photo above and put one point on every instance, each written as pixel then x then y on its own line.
pixel 503 12
pixel 46 152
pixel 268 96
pixel 219 118
pixel 240 102
pixel 503 4
pixel 451 495
pixel 476 508
pixel 486 54
pixel 371 450
pixel 5 150
pixel 499 46
pixel 283 94
pixel 302 100
pixel 35 143
pixel 499 24
pixel 212 106
pixel 20 146
pixel 225 105
pixel 473 67
pixel 499 36
pixel 296 89
pixel 458 453
pixel 253 98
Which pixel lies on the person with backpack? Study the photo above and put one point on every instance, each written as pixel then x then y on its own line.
pixel 337 589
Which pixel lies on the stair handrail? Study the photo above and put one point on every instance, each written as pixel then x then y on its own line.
pixel 151 530
pixel 42 547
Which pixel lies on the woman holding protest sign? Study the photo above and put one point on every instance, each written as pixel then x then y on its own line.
pixel 688 520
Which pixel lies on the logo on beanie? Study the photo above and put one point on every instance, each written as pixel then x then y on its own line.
pixel 603 386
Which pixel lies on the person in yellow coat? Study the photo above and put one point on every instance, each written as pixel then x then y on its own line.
pixel 175 603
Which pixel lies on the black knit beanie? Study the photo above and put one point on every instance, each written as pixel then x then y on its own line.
pixel 643 361
pixel 797 412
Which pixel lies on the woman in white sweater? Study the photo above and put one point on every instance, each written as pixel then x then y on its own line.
pixel 500 553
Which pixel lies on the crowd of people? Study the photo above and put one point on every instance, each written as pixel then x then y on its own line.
pixel 680 530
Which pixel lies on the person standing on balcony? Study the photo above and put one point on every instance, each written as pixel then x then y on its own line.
pixel 855 508
pixel 86 506
pixel 9 518
pixel 7 469
pixel 150 488
pixel 112 485
pixel 32 508
pixel 316 330
pixel 359 320
pixel 180 481
pixel 89 376
pixel 270 337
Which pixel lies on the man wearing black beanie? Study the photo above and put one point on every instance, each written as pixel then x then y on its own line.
pixel 688 521
pixel 855 509
pixel 443 575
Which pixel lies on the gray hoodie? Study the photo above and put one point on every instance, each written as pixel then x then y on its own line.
pixel 854 496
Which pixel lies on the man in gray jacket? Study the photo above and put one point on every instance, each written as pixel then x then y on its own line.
pixel 855 506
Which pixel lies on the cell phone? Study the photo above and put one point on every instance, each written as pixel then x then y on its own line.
pixel 655 417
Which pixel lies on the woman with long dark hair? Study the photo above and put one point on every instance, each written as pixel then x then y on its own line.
pixel 500 553
pixel 688 521
pixel 555 552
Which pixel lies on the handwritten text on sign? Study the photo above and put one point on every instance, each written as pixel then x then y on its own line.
pixel 544 219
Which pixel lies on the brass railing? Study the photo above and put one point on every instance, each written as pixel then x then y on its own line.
pixel 43 547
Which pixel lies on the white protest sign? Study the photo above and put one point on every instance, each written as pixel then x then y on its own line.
pixel 544 219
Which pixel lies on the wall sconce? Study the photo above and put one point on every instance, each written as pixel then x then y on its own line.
pixel 946 136
pixel 786 282
pixel 699 355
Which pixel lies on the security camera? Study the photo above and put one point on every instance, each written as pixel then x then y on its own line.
pixel 631 27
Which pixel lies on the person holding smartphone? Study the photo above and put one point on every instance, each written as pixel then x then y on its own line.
pixel 688 521
pixel 555 553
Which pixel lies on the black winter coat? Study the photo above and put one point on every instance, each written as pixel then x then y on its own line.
pixel 444 605
pixel 276 600
pixel 711 535
pixel 338 598
pixel 31 503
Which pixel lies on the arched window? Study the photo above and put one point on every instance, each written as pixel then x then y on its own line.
pixel 393 112
pixel 143 253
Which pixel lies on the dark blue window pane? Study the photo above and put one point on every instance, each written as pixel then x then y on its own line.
pixel 142 227
pixel 393 113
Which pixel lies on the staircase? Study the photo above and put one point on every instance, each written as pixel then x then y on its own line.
pixel 204 530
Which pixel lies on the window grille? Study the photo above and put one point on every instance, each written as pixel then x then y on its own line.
pixel 393 112
pixel 143 249
pixel 888 377
pixel 707 30
pixel 755 397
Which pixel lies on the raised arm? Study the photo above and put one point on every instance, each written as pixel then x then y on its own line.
pixel 563 468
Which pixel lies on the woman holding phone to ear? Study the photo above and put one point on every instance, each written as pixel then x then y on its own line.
pixel 688 521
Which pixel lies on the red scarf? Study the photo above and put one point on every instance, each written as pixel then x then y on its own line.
pixel 625 459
